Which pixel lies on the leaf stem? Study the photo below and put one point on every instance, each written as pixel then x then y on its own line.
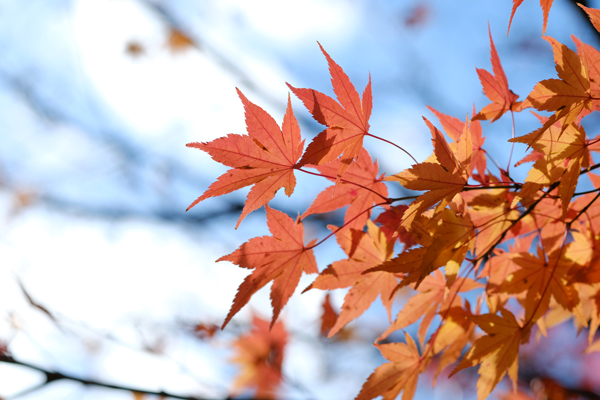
pixel 345 224
pixel 493 160
pixel 393 144
pixel 346 181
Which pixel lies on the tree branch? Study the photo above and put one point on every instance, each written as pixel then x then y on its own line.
pixel 52 376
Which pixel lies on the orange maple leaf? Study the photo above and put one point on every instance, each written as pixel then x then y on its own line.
pixel 445 240
pixel 433 294
pixel 564 152
pixel 260 355
pixel 455 128
pixel 280 258
pixel 266 158
pixel 347 121
pixel 452 337
pixel 400 374
pixel 442 180
pixel 364 250
pixel 360 198
pixel 497 351
pixel 498 268
pixel 570 94
pixel 495 88
pixel 542 276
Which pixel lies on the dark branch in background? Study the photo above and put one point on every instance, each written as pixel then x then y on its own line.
pixel 52 376
pixel 232 209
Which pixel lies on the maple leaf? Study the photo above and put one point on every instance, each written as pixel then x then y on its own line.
pixel 360 188
pixel 545 4
pixel 454 127
pixel 565 152
pixel 280 258
pixel 364 250
pixel 452 337
pixel 495 88
pixel 400 374
pixel 497 352
pixel 445 238
pixel 266 158
pixel 260 355
pixel 449 220
pixel 569 95
pixel 433 295
pixel 442 180
pixel 542 276
pixel 347 121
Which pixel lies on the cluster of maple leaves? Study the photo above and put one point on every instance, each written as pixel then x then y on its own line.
pixel 536 241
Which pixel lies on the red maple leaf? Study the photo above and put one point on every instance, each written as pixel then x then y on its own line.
pixel 347 121
pixel 265 158
pixel 280 258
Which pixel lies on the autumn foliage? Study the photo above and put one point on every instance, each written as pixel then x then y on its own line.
pixel 525 250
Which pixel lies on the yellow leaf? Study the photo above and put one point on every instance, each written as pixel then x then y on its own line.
pixel 497 352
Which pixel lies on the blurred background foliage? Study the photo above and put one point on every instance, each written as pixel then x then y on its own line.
pixel 107 285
